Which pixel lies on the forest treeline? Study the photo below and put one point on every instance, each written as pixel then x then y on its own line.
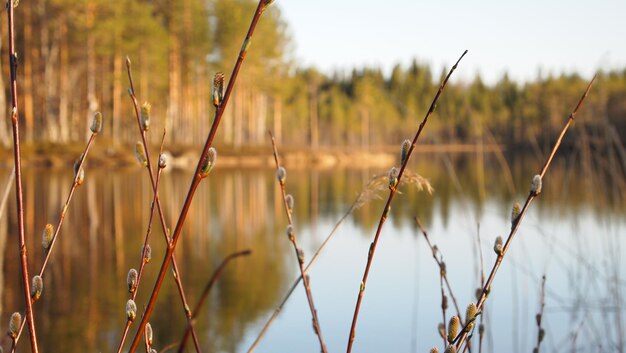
pixel 72 62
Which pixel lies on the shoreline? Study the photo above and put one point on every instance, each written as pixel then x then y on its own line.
pixel 185 157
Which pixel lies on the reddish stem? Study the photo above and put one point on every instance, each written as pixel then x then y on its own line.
pixel 387 208
pixel 18 183
pixel 194 183
pixel 531 196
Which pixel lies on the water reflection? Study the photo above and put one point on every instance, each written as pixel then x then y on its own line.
pixel 85 290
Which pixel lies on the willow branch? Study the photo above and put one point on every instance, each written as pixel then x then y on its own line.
pixel 196 178
pixel 18 183
pixel 516 223
pixel 205 292
pixel 387 208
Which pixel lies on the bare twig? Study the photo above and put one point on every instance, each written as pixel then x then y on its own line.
pixel 534 192
pixel 156 201
pixel 205 293
pixel 539 316
pixel 18 183
pixel 367 193
pixel 196 177
pixel 387 208
pixel 298 251
pixel 76 182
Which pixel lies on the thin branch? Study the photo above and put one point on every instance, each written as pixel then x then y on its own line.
pixel 205 293
pixel 299 254
pixel 196 177
pixel 156 201
pixel 539 316
pixel 306 269
pixel 387 208
pixel 515 226
pixel 76 182
pixel 18 183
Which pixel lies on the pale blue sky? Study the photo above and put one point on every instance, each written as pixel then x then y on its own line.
pixel 518 37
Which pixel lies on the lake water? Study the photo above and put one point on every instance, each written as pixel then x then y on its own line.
pixel 574 233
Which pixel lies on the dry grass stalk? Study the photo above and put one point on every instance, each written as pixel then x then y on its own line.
pixel 281 176
pixel 392 190
pixel 197 177
pixel 371 191
pixel 535 190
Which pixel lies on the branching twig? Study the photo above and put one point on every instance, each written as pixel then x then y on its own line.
pixel 281 174
pixel 387 208
pixel 366 194
pixel 205 293
pixel 443 278
pixel 534 192
pixel 539 316
pixel 18 183
pixel 76 182
pixel 156 201
pixel 196 177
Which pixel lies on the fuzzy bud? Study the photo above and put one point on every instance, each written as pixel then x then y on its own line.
pixel 404 151
pixel 451 349
pixel 281 175
pixel 218 89
pixel 131 310
pixel 209 162
pixel 147 254
pixel 453 329
pixel 470 316
pixel 538 319
pixel 300 256
pixel 542 334
pixel 515 214
pixel 140 154
pixel 289 201
pixel 442 329
pixel 14 325
pixel 291 233
pixel 149 334
pixel 145 115
pixel 535 187
pixel 46 238
pixel 497 246
pixel 96 123
pixel 434 350
pixel 131 280
pixel 79 174
pixel 442 269
pixel 393 177
pixel 162 160
pixel 36 287
pixel 444 302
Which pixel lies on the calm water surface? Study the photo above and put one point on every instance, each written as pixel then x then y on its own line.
pixel 574 234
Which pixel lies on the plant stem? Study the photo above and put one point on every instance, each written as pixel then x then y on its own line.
pixel 294 241
pixel 75 185
pixel 531 196
pixel 157 201
pixel 297 281
pixel 195 182
pixel 18 183
pixel 205 293
pixel 387 207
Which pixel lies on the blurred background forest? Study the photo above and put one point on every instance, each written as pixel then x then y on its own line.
pixel 72 63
